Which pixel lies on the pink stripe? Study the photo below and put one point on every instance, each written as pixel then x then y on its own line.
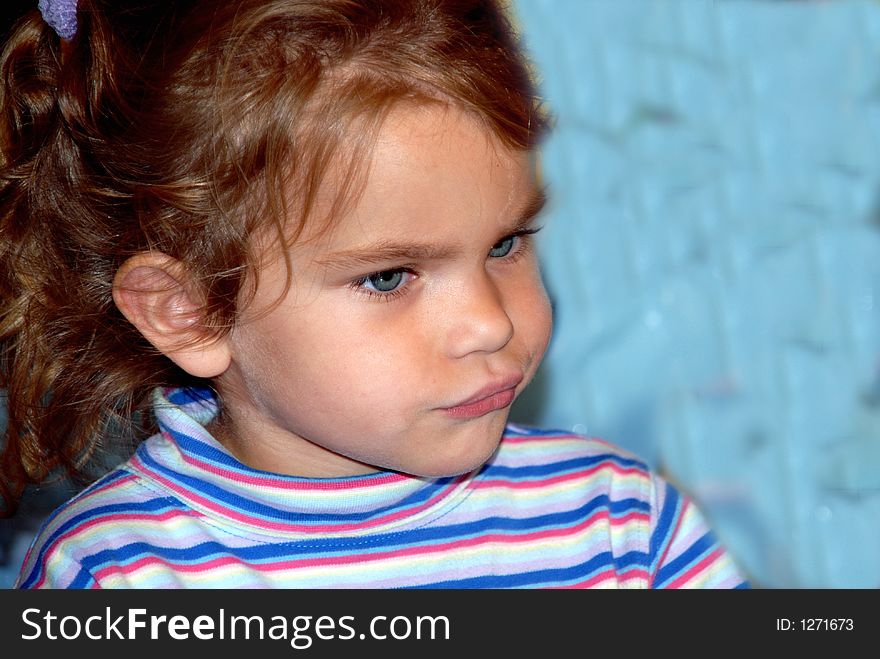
pixel 149 561
pixel 289 484
pixel 289 526
pixel 538 484
pixel 112 484
pixel 696 569
pixel 610 574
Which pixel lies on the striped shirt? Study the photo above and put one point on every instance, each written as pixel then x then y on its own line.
pixel 549 509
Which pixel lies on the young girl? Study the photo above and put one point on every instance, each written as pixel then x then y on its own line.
pixel 292 241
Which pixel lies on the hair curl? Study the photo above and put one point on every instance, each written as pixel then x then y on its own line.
pixel 175 126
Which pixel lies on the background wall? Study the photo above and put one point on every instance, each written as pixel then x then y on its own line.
pixel 713 251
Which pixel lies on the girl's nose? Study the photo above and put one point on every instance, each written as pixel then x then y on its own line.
pixel 477 319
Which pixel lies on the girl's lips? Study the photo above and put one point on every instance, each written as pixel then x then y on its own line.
pixel 496 401
pixel 494 396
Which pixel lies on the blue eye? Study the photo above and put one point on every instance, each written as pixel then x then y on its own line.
pixel 502 248
pixel 384 282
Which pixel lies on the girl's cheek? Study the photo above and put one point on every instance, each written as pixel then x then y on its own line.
pixel 543 311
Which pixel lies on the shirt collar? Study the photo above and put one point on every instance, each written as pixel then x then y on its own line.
pixel 185 459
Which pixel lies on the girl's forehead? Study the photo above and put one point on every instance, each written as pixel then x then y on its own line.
pixel 426 167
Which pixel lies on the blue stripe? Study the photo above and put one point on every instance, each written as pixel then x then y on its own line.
pixel 660 539
pixel 237 502
pixel 83 580
pixel 696 552
pixel 599 563
pixel 187 395
pixel 197 447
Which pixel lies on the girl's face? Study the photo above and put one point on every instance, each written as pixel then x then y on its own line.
pixel 410 327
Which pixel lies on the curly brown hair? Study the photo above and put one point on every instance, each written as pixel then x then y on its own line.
pixel 175 126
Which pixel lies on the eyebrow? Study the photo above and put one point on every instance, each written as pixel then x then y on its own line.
pixel 385 250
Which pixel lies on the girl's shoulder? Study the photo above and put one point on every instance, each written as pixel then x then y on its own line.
pixel 89 522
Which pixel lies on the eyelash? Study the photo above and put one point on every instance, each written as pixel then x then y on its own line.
pixel 522 246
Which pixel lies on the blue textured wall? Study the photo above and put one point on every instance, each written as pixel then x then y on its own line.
pixel 713 251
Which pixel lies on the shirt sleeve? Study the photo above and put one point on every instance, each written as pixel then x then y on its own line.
pixel 50 565
pixel 684 551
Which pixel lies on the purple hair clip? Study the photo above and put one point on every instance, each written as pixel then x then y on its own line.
pixel 60 15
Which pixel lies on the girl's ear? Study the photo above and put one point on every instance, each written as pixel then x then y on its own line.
pixel 156 294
